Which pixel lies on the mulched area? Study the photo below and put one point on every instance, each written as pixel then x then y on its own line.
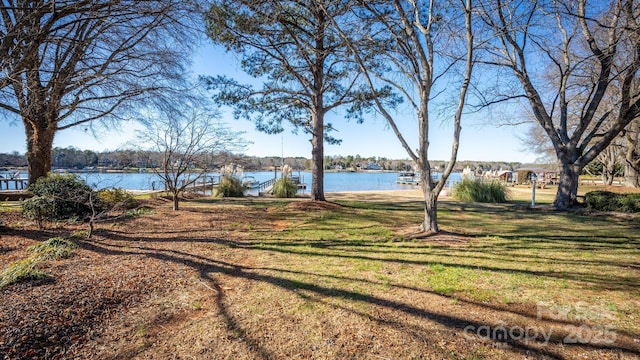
pixel 47 318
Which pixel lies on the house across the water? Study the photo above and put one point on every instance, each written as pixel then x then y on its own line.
pixel 545 174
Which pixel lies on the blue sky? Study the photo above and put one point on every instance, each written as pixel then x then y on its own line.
pixel 479 141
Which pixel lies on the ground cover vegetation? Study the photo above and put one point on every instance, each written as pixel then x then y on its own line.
pixel 284 188
pixel 66 197
pixel 280 278
pixel 480 190
pixel 610 201
pixel 230 186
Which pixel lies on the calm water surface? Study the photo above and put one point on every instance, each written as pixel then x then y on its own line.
pixel 333 181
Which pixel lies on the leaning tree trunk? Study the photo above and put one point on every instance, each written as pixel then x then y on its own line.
pixel 566 197
pixel 39 148
pixel 317 158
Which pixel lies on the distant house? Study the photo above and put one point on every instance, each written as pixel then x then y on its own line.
pixel 546 174
pixel 505 176
pixel 373 166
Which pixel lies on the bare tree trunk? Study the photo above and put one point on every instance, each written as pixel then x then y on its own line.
pixel 175 201
pixel 607 176
pixel 632 156
pixel 608 172
pixel 317 158
pixel 430 223
pixel 631 176
pixel 609 158
pixel 568 186
pixel 39 147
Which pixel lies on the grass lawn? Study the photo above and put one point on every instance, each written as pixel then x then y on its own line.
pixel 270 278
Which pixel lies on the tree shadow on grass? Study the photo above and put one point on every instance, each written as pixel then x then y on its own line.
pixel 354 250
pixel 312 291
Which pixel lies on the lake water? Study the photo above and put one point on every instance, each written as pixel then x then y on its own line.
pixel 333 181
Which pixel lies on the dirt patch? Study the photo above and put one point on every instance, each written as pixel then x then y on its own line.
pixel 308 205
pixel 441 238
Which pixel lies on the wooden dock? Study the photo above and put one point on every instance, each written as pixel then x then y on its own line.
pixel 267 186
pixel 18 183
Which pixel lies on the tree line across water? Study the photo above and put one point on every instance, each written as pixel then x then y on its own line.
pixel 73 158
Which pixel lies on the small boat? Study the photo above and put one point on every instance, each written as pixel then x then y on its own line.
pixel 249 182
pixel 408 178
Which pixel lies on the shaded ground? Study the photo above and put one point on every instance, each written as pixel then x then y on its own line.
pixel 223 279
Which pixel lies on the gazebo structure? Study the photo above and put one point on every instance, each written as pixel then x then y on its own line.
pixel 546 174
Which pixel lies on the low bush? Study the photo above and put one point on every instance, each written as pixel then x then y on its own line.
pixel 59 197
pixel 23 270
pixel 28 269
pixel 610 201
pixel 116 198
pixel 230 187
pixel 284 188
pixel 39 208
pixel 54 248
pixel 140 211
pixel 477 190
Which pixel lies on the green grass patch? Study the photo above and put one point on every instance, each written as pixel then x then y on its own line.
pixel 143 210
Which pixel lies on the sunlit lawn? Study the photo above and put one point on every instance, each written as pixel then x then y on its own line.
pixel 506 254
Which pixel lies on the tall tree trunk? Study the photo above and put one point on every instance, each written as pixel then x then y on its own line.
pixel 631 176
pixel 430 223
pixel 607 175
pixel 317 158
pixel 39 148
pixel 175 201
pixel 632 162
pixel 632 155
pixel 568 186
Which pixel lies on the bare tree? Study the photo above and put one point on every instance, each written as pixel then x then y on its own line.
pixel 425 46
pixel 187 145
pixel 567 56
pixel 69 63
pixel 537 142
pixel 610 158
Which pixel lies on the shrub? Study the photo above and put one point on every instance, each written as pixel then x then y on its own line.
pixel 284 188
pixel 58 197
pixel 22 270
pixel 39 208
pixel 610 201
pixel 54 248
pixel 116 197
pixel 230 187
pixel 28 269
pixel 477 190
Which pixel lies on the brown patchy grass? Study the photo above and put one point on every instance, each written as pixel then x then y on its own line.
pixel 271 278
